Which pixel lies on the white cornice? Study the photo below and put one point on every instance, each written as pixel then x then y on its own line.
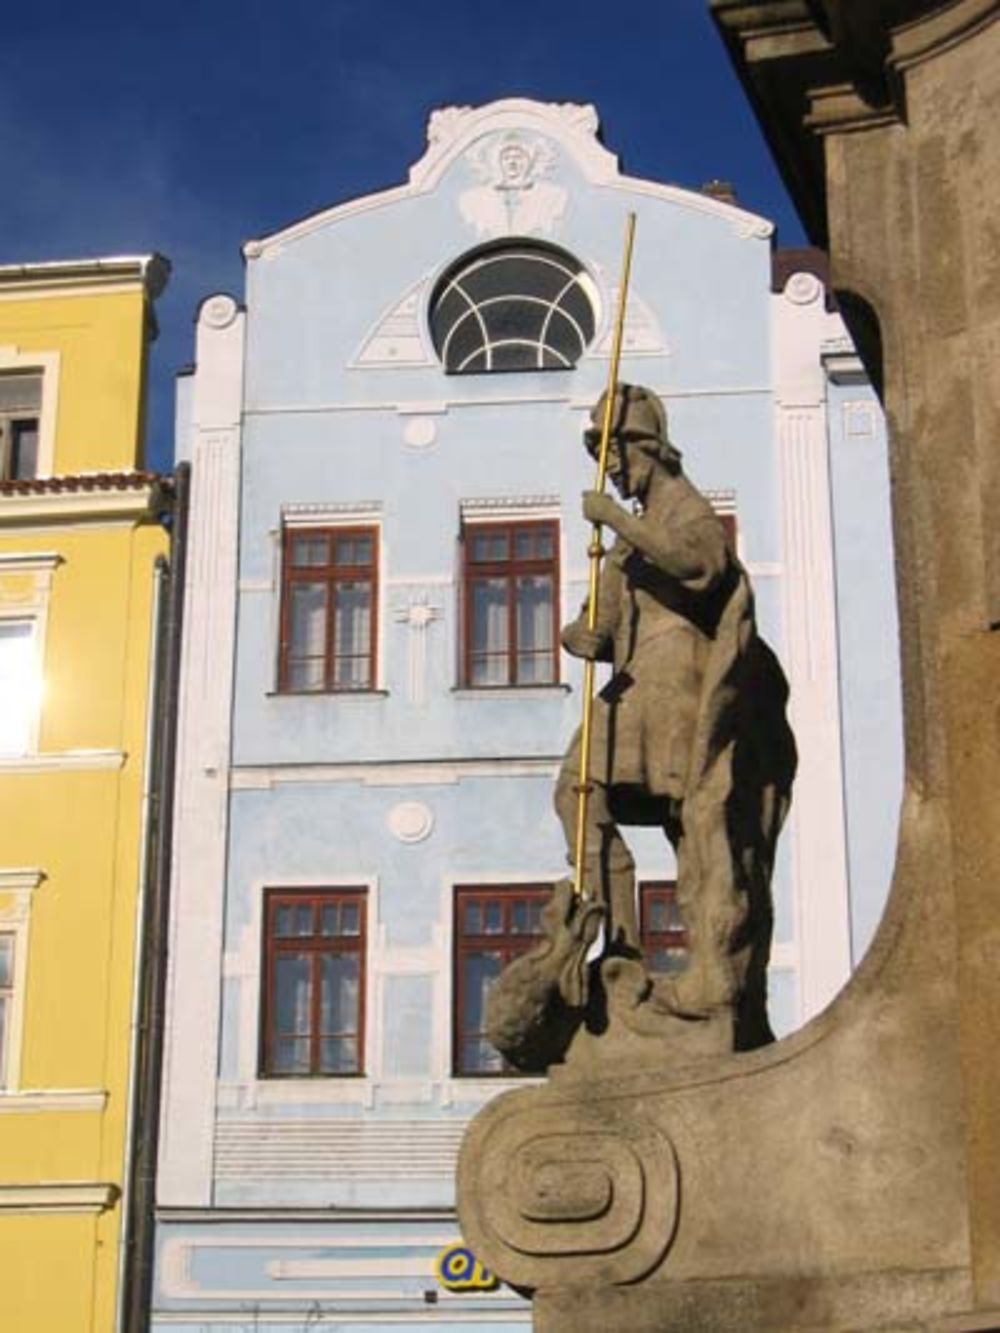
pixel 429 772
pixel 20 880
pixel 52 1099
pixel 70 506
pixel 316 515
pixel 452 130
pixel 58 1197
pixel 65 760
pixel 24 562
pixel 495 507
pixel 149 271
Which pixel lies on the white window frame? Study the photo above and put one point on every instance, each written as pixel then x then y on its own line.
pixel 46 364
pixel 245 962
pixel 17 888
pixel 33 606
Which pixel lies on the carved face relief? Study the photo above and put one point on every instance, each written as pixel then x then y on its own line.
pixel 513 197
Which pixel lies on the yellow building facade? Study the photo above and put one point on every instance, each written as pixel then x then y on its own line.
pixel 80 587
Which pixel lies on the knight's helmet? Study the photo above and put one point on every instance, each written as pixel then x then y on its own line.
pixel 639 417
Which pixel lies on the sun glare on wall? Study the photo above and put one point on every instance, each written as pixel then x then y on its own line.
pixel 20 685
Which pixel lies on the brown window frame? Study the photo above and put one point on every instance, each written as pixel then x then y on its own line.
pixel 506 942
pixel 513 945
pixel 674 938
pixel 316 945
pixel 329 575
pixel 509 569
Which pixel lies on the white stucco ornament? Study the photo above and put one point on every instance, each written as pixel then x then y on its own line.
pixel 513 197
pixel 803 288
pixel 410 821
pixel 419 432
pixel 218 312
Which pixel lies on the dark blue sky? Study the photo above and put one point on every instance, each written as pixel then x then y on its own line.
pixel 189 128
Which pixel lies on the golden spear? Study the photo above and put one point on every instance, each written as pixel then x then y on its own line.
pixel 595 550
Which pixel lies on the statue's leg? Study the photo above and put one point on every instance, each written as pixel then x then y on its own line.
pixel 609 870
pixel 712 910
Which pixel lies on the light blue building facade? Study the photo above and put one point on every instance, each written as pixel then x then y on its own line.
pixel 385 534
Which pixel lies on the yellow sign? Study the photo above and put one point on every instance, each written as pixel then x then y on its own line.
pixel 457 1269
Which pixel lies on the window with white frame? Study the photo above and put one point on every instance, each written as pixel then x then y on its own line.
pixel 20 685
pixel 20 411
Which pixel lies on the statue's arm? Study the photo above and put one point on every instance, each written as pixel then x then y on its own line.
pixel 598 644
pixel 693 552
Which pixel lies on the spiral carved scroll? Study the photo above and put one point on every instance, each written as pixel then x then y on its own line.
pixel 560 1194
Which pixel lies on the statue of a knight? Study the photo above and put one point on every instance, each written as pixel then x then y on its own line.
pixel 689 734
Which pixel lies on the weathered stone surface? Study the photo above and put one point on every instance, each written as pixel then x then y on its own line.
pixel 688 735
pixel 846 1178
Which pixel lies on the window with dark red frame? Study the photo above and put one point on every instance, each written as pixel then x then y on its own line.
pixel 664 937
pixel 497 923
pixel 314 982
pixel 493 926
pixel 510 603
pixel 329 590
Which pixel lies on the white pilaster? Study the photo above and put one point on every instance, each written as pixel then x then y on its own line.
pixel 817 829
pixel 203 755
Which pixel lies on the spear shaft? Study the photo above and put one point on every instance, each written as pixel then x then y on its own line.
pixel 595 551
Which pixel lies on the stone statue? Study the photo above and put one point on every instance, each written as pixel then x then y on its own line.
pixel 689 735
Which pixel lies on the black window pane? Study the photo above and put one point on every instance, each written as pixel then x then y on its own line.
pixel 493 917
pixel 465 339
pixel 339 994
pixel 576 304
pixel 20 392
pixel 350 919
pixel 308 551
pixel 354 550
pixel 292 994
pixel 24 450
pixel 339 1055
pixel 477 1056
pixel 481 970
pixel 515 356
pixel 490 546
pixel 521 321
pixel 563 337
pixel 533 544
pixel 6 961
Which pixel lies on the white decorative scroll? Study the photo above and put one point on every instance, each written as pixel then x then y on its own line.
pixel 513 198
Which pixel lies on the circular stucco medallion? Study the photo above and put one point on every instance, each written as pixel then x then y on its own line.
pixel 410 821
pixel 218 312
pixel 419 432
pixel 803 288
